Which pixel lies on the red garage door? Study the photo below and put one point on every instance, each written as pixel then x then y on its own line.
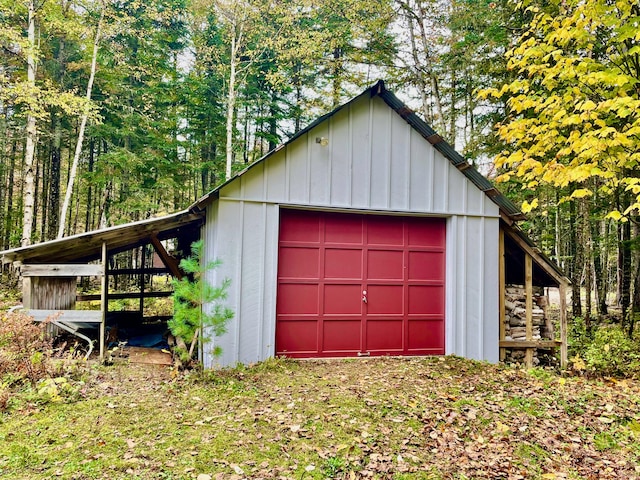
pixel 353 285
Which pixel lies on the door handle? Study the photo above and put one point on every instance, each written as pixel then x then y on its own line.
pixel 364 296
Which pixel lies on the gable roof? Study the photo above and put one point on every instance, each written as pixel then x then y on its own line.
pixel 508 210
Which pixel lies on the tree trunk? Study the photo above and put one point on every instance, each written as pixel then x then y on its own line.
pixel 624 268
pixel 599 265
pixel 31 132
pixel 231 98
pixel 586 242
pixel 422 81
pixel 83 124
pixel 10 184
pixel 576 262
pixel 336 70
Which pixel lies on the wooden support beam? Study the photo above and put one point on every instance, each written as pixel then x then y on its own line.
pixel 61 270
pixel 564 360
pixel 170 262
pixel 530 344
pixel 124 295
pixel 528 287
pixel 136 271
pixel 502 292
pixel 104 304
pixel 67 316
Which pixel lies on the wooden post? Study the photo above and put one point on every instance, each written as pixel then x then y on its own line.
pixel 143 262
pixel 501 291
pixel 528 286
pixel 103 298
pixel 564 360
pixel 26 292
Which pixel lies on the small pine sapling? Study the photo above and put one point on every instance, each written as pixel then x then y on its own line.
pixel 197 304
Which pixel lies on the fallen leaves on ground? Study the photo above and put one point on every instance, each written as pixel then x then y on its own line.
pixel 385 418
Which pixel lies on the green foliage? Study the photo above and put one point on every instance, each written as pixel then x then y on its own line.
pixel 573 110
pixel 197 303
pixel 612 352
pixel 57 390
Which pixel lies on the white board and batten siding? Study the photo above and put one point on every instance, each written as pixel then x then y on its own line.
pixel 374 162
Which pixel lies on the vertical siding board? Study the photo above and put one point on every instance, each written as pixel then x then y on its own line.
pixel 473 280
pixel 399 190
pixel 253 183
pixel 228 250
pixel 319 174
pixel 491 300
pixel 457 190
pixel 231 190
pixel 380 154
pixel 340 145
pixel 361 160
pixel 475 197
pixel 276 179
pixel 270 275
pixel 421 182
pixel 298 171
pixel 252 286
pixel 441 182
pixel 461 288
pixel 209 236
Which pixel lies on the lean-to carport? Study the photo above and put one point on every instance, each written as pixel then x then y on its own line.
pixel 50 270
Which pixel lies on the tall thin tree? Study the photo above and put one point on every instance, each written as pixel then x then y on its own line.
pixel 83 124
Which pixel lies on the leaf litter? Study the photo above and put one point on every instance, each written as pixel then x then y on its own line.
pixel 384 418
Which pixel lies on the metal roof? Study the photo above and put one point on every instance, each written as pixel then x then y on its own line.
pixel 85 247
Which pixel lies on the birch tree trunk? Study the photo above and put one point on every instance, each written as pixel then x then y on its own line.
pixel 83 124
pixel 31 132
pixel 231 101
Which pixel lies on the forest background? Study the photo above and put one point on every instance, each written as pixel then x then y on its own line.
pixel 118 110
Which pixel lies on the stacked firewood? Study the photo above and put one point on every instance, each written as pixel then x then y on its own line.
pixel 516 318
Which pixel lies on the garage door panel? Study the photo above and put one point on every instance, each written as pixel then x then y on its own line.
pixel 298 299
pixel 343 263
pixel 343 229
pixel 426 266
pixel 301 226
pixel 426 335
pixel 297 336
pixel 427 232
pixel 385 265
pixel 385 299
pixel 325 263
pixel 342 299
pixel 341 335
pixel 385 231
pixel 299 262
pixel 385 335
pixel 426 299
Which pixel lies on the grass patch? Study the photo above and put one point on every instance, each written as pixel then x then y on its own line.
pixel 431 418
